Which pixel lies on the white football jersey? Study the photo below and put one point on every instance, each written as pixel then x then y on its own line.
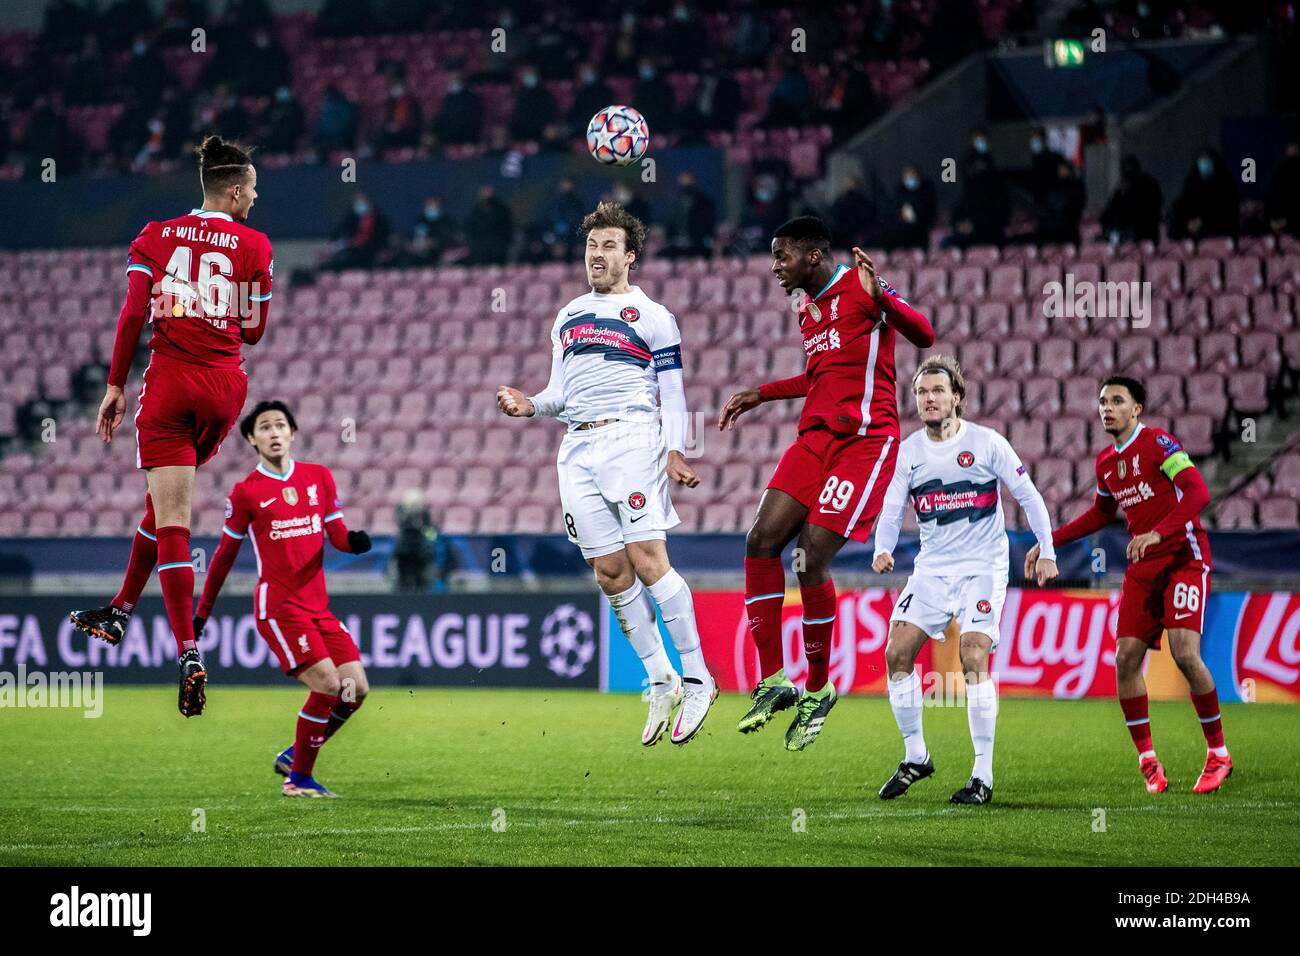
pixel 608 351
pixel 953 485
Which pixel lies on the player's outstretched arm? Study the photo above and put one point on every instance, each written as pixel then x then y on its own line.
pixel 794 387
pixel 908 321
pixel 1100 513
pixel 514 403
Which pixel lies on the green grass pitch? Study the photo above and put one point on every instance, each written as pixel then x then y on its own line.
pixel 424 773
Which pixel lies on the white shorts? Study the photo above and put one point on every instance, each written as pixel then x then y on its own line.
pixel 930 601
pixel 614 486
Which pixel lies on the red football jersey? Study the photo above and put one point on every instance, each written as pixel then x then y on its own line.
pixel 850 353
pixel 210 276
pixel 286 518
pixel 1139 475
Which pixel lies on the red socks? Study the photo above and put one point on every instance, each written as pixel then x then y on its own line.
pixel 339 715
pixel 764 596
pixel 313 721
pixel 818 626
pixel 176 575
pixel 1207 711
pixel 1139 723
pixel 144 555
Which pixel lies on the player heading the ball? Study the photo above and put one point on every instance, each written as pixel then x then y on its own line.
pixel 830 482
pixel 616 382
pixel 204 281
pixel 288 508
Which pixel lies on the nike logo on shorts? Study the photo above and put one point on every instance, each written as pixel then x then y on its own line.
pixel 831 511
pixel 1179 617
pixel 637 518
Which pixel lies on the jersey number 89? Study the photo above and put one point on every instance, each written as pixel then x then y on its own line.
pixel 837 493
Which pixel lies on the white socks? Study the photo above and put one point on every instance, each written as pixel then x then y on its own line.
pixel 678 610
pixel 636 616
pixel 905 700
pixel 982 715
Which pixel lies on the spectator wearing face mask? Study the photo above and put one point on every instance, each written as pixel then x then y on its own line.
pixel 1133 212
pixel 360 237
pixel 1043 163
pixel 853 215
pixel 654 97
pixel 401 129
pixel 282 123
pixel 980 152
pixel 336 126
pixel 1208 204
pixel 461 118
pixel 715 105
pixel 690 228
pixel 534 108
pixel 433 234
pixel 912 212
pixel 489 229
pixel 980 217
pixel 590 97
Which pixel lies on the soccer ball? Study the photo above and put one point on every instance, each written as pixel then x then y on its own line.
pixel 618 136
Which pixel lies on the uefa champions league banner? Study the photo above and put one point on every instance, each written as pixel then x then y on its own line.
pixel 485 640
pixel 1053 643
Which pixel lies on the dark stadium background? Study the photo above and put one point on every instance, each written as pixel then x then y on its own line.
pixel 390 352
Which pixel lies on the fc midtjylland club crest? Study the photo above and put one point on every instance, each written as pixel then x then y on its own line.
pixel 965 459
pixel 984 607
pixel 636 501
pixel 290 495
pixel 630 314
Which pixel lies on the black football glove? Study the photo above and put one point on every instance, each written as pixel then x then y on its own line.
pixel 358 542
pixel 199 624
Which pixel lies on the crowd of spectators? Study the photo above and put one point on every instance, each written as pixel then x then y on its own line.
pixel 1045 201
pixel 94 53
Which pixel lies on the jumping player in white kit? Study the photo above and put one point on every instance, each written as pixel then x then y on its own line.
pixel 616 381
pixel 950 469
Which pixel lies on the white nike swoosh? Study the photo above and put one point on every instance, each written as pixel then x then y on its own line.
pixel 1105 476
pixel 1179 617
pixel 265 503
pixel 832 511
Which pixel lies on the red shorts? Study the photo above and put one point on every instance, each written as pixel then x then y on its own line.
pixel 185 412
pixel 299 642
pixel 1160 594
pixel 840 479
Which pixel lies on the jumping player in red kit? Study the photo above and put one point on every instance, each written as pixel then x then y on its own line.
pixel 830 484
pixel 1147 473
pixel 204 281
pixel 287 508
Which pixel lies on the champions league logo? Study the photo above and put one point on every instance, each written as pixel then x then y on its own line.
pixel 568 640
